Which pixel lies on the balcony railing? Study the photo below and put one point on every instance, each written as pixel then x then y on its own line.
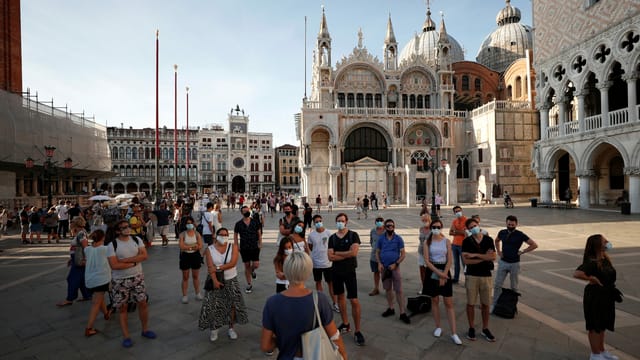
pixel 316 105
pixel 501 105
pixel 593 123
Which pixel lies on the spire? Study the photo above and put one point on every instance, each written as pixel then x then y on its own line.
pixel 324 29
pixel 391 37
pixel 429 25
pixel 442 36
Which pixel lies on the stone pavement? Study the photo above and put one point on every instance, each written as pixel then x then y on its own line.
pixel 549 324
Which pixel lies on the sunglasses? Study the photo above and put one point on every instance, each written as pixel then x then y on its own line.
pixel 436 227
pixel 123 228
pixel 390 226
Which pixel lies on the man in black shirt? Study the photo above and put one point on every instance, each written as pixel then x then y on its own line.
pixel 247 236
pixel 478 254
pixel 343 251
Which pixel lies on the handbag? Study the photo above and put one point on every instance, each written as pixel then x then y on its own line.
pixel 316 343
pixel 616 294
pixel 208 284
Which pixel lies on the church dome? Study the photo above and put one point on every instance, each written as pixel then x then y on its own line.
pixel 508 42
pixel 426 44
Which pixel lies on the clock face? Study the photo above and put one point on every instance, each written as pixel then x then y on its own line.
pixel 238 162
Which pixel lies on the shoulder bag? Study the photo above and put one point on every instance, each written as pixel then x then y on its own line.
pixel 208 284
pixel 316 343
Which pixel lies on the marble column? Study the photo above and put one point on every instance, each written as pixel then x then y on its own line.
pixel 331 154
pixel 21 187
pixel 545 187
pixel 562 114
pixel 544 121
pixel 634 188
pixel 581 120
pixel 604 102
pixel 584 184
pixel 631 97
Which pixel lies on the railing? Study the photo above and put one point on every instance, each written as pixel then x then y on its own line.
pixel 316 105
pixel 571 127
pixel 553 131
pixel 618 117
pixel 501 105
pixel 593 122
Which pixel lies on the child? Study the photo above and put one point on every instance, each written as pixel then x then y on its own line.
pixel 284 249
pixel 97 278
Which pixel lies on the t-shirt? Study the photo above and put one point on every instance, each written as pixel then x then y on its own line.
pixel 163 216
pixel 458 224
pixel 389 249
pixel 287 225
pixel 126 249
pixel 470 245
pixel 97 270
pixel 373 240
pixel 344 244
pixel 365 203
pixel 247 234
pixel 74 211
pixel 319 242
pixel 511 243
pixel 134 220
pixel 207 219
pixel 63 212
pixel 288 325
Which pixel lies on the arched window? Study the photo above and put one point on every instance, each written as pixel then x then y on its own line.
pixel 182 155
pixel 369 100
pixel 194 154
pixel 128 153
pixel 420 104
pixel 114 153
pixel 477 84
pixel 465 82
pixel 445 130
pixel 341 100
pixel 405 101
pixel 135 170
pixel 165 154
pixel 128 171
pixel 171 157
pixel 518 87
pixel 462 167
pixel 350 101
pixel 412 101
pixel 359 100
pixel 366 141
pixel 509 92
pixel 141 153
pixel 134 153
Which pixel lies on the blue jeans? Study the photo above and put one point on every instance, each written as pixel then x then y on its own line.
pixel 501 274
pixel 75 282
pixel 457 258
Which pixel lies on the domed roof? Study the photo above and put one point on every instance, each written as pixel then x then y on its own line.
pixel 507 43
pixel 426 44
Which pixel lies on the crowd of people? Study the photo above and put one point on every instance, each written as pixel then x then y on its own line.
pixel 106 260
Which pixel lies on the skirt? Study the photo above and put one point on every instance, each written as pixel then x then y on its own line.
pixel 217 306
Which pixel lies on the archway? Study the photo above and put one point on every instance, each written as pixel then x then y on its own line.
pixel 132 188
pixel 238 184
pixel 366 141
pixel 118 188
pixel 144 187
pixel 609 183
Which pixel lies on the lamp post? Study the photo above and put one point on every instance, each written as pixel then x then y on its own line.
pixel 49 169
pixel 432 166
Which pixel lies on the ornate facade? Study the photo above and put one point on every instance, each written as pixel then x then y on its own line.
pixel 379 126
pixel 588 101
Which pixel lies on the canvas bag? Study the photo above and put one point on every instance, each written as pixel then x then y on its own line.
pixel 316 343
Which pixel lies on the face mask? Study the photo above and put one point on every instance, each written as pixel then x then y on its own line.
pixel 467 232
pixel 459 214
pixel 288 251
pixel 608 246
pixel 221 239
pixel 287 213
pixel 190 226
pixel 475 230
pixel 379 224
pixel 435 231
pixel 511 228
pixel 297 229
pixel 246 214
pixel 340 225
pixel 318 225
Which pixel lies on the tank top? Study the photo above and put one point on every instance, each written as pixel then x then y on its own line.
pixel 190 240
pixel 218 260
pixel 438 251
pixel 216 224
pixel 299 246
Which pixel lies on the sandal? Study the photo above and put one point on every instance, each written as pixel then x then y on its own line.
pixel 149 334
pixel 64 303
pixel 90 332
pixel 107 316
pixel 127 343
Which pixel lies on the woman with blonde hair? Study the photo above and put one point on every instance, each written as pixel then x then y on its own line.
pixel 600 294
pixel 75 279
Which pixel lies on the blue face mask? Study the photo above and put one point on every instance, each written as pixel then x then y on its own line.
pixel 318 225
pixel 608 246
pixel 475 230
pixel 459 214
pixel 435 231
pixel 379 224
pixel 298 229
pixel 190 226
pixel 340 225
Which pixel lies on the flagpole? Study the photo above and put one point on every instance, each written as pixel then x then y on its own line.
pixel 158 194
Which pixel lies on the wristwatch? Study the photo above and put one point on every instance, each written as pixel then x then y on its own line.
pixel 217 268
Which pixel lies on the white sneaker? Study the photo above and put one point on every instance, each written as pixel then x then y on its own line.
pixel 596 357
pixel 609 356
pixel 437 332
pixel 232 334
pixel 199 296
pixel 336 308
pixel 214 335
pixel 456 339
pixel 185 299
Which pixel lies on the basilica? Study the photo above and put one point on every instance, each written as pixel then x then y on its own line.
pixel 420 120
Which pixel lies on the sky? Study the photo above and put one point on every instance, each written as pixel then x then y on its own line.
pixel 99 56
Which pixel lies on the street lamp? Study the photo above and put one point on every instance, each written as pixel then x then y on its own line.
pixel 49 169
pixel 433 167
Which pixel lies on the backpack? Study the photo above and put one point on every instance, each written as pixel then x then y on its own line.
pixel 115 242
pixel 419 305
pixel 507 304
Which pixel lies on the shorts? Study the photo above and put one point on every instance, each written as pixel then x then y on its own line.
pixel 374 266
pixel 318 272
pixel 190 260
pixel 421 260
pixel 163 230
pixel 51 229
pixel 348 280
pixel 123 289
pixel 395 280
pixel 35 228
pixel 208 239
pixel 432 287
pixel 24 228
pixel 478 285
pixel 437 206
pixel 250 255
pixel 101 288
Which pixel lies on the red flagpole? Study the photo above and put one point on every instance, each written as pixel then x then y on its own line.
pixel 175 131
pixel 188 157
pixel 158 191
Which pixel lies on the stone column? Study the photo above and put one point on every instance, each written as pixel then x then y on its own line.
pixel 544 121
pixel 634 188
pixel 34 186
pixel 545 187
pixel 581 120
pixel 631 97
pixel 21 187
pixel 584 184
pixel 333 181
pixel 331 155
pixel 604 102
pixel 562 114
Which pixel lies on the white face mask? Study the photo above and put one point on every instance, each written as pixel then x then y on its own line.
pixel 288 251
pixel 221 239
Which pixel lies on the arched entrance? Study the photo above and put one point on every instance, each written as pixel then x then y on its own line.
pixel 366 157
pixel 238 184
pixel 609 187
pixel 144 187
pixel 118 188
pixel 132 188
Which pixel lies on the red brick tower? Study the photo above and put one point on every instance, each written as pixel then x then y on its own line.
pixel 10 46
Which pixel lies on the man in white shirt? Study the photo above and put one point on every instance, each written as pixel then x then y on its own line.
pixel 207 225
pixel 318 243
pixel 63 219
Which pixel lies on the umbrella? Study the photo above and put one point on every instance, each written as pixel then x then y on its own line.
pixel 100 198
pixel 124 197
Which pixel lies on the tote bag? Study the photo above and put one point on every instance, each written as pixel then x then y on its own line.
pixel 316 343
